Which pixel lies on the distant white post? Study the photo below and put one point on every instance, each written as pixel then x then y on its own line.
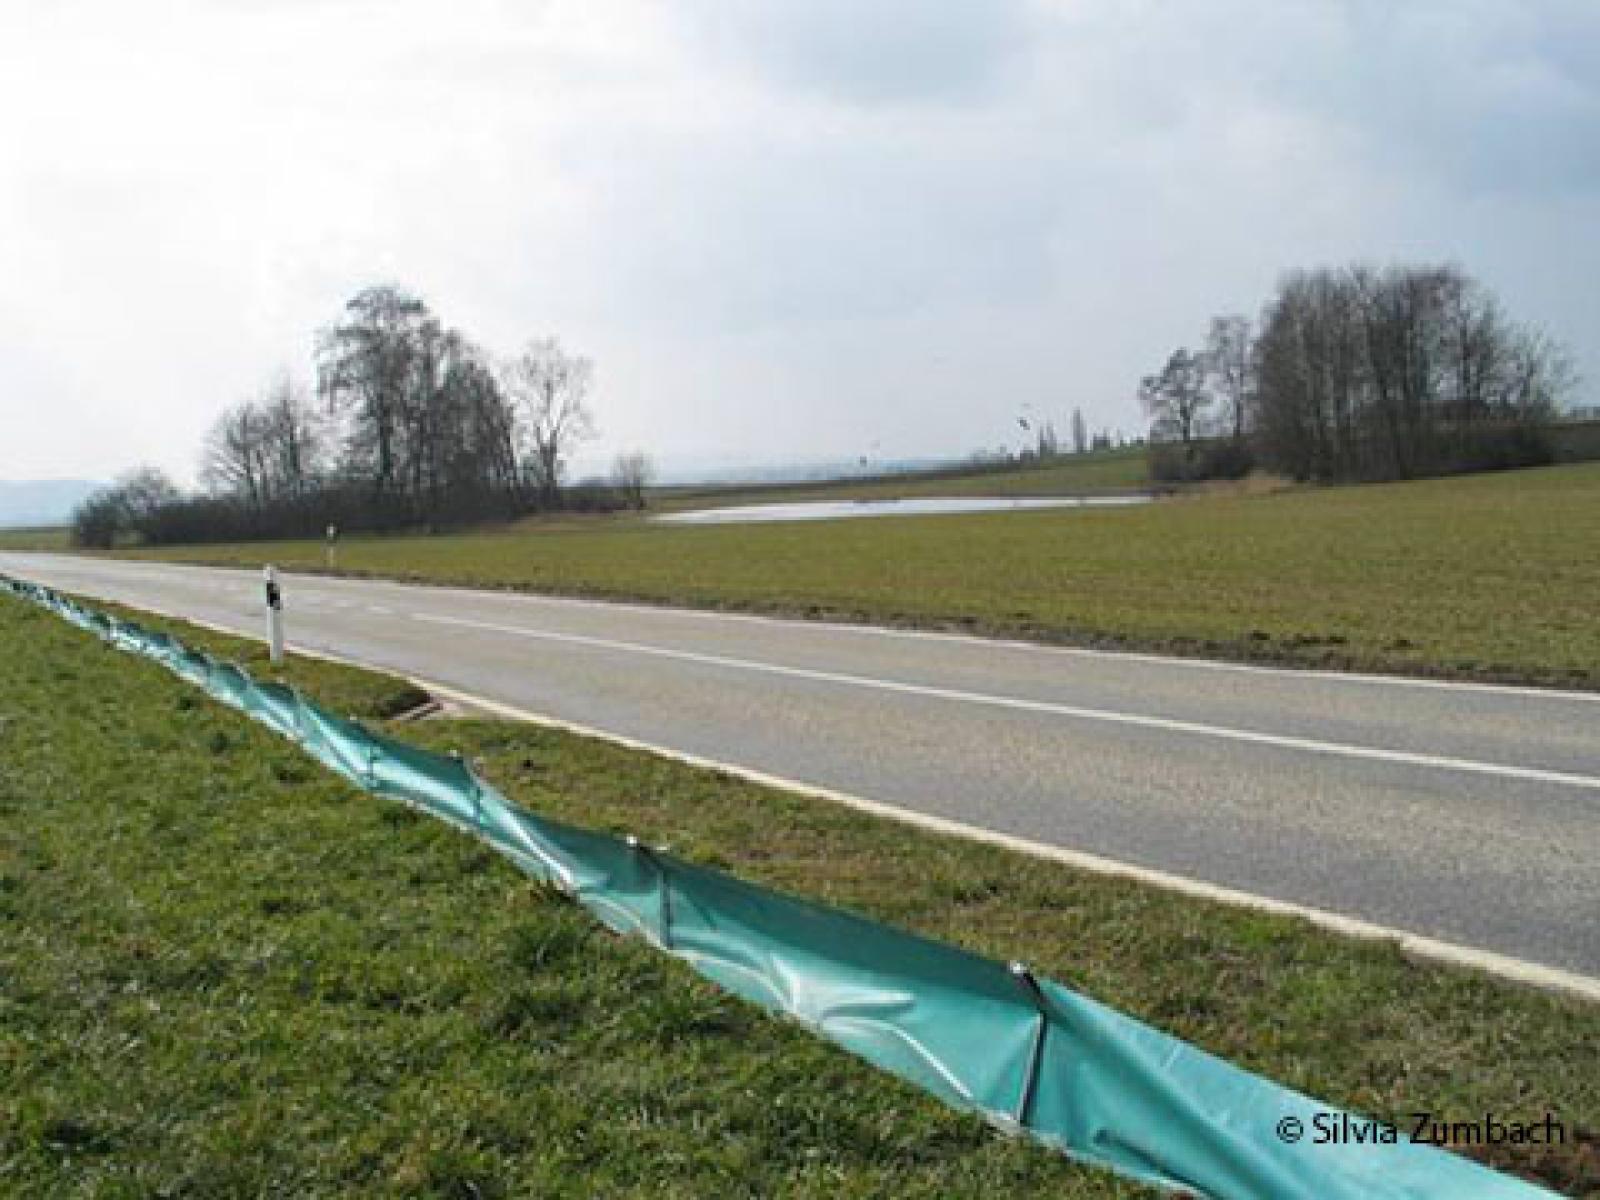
pixel 333 546
pixel 274 613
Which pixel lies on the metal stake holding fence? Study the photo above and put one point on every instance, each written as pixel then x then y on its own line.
pixel 302 733
pixel 664 891
pixel 475 790
pixel 1030 1081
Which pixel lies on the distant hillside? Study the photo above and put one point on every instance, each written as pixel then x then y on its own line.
pixel 26 502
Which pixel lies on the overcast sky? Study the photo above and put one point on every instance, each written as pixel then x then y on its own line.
pixel 789 230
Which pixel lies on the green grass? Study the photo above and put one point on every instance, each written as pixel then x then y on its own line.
pixel 52 539
pixel 221 970
pixel 1104 471
pixel 1484 576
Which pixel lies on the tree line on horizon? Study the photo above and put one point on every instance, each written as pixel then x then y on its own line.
pixel 1358 373
pixel 412 425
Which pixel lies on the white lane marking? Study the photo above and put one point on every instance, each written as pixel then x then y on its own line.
pixel 335 580
pixel 380 610
pixel 1520 970
pixel 1105 715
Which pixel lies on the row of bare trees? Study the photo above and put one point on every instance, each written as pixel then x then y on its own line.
pixel 1360 373
pixel 265 450
pixel 411 425
pixel 426 424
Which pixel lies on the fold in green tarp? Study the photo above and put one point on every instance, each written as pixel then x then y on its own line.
pixel 1028 1054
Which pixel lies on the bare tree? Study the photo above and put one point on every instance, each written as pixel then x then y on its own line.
pixel 1046 445
pixel 1537 377
pixel 98 520
pixel 631 474
pixel 294 435
pixel 430 418
pixel 365 371
pixel 1229 361
pixel 234 461
pixel 420 427
pixel 429 428
pixel 145 491
pixel 260 451
pixel 484 426
pixel 1176 400
pixel 1410 370
pixel 136 504
pixel 549 390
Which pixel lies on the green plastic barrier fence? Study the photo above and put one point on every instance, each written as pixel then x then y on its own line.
pixel 1027 1053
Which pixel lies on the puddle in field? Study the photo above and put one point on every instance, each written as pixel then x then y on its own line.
pixel 833 510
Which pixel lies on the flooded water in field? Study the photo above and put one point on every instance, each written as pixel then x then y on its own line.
pixel 916 506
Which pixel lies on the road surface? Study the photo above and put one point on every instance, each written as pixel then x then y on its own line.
pixel 1466 814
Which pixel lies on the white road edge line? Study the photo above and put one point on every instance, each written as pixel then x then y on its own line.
pixel 1417 945
pixel 1075 712
pixel 1518 970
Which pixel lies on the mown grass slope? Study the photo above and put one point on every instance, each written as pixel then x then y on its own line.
pixel 224 973
pixel 1485 576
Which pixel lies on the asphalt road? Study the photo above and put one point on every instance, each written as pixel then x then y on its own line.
pixel 1467 814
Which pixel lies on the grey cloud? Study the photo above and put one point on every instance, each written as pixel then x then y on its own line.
pixel 795 228
pixel 752 235
pixel 886 51
pixel 1494 97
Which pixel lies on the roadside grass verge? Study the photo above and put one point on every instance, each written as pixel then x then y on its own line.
pixel 320 955
pixel 50 539
pixel 1477 577
pixel 225 972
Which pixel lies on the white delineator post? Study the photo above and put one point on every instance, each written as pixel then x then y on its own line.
pixel 269 576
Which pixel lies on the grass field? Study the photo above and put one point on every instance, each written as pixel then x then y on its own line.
pixel 1105 471
pixel 221 970
pixel 1484 576
pixel 53 539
